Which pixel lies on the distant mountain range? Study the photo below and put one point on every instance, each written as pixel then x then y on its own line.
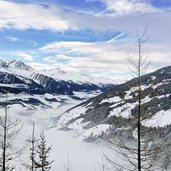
pixel 107 110
pixel 23 78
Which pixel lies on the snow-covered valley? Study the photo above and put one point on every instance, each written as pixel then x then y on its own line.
pixel 66 145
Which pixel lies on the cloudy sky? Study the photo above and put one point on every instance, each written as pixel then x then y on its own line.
pixel 92 36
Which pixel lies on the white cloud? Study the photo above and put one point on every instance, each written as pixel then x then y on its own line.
pixel 99 56
pixel 134 15
pixel 31 16
pixel 128 22
pixel 72 47
pixel 64 57
pixel 40 66
pixel 107 56
pixel 120 7
pixel 12 38
pixel 56 58
pixel 50 59
pixel 15 39
pixel 24 55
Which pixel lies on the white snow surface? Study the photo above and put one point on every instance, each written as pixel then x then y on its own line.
pixel 124 110
pixel 95 131
pixel 160 119
pixel 74 113
pixel 16 67
pixel 111 100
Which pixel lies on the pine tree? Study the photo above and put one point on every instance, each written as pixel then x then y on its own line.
pixel 43 164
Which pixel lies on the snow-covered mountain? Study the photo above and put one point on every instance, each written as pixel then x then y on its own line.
pixel 15 67
pixel 76 77
pixel 52 81
pixel 106 111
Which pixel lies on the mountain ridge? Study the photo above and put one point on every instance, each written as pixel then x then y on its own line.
pixel 50 83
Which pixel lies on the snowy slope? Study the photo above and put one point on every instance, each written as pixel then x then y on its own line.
pixel 102 113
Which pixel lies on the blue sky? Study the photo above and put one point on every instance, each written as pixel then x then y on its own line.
pixel 92 36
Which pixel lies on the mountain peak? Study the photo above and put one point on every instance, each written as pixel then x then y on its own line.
pixel 14 64
pixel 56 70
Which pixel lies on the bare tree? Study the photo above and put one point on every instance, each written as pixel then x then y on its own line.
pixel 141 151
pixel 32 140
pixel 68 165
pixel 9 130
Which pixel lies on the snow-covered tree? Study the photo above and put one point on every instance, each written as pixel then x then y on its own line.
pixel 42 162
